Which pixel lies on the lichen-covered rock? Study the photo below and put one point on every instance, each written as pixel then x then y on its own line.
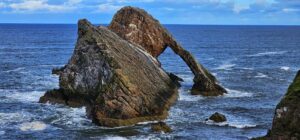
pixel 217 117
pixel 286 121
pixel 161 127
pixel 138 27
pixel 120 83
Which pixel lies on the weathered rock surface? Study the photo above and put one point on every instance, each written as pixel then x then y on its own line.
pixel 120 83
pixel 138 27
pixel 286 121
pixel 217 117
pixel 161 127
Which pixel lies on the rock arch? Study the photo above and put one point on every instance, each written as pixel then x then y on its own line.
pixel 138 27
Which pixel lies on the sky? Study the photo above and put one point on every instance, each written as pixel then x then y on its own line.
pixel 205 12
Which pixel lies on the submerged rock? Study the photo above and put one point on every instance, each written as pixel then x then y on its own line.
pixel 161 127
pixel 217 117
pixel 120 83
pixel 138 27
pixel 286 120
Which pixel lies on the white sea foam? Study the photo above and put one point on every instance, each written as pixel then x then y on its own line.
pixel 239 125
pixel 225 66
pixel 261 75
pixel 267 53
pixel 242 125
pixel 210 122
pixel 114 138
pixel 186 78
pixel 33 126
pixel 186 96
pixel 15 70
pixel 285 68
pixel 236 93
pixel 32 96
pixel 147 122
pixel 247 68
pixel 214 74
pixel 15 117
pixel 72 117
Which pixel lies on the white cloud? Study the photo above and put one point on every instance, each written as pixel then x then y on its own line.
pixel 128 1
pixel 2 5
pixel 108 8
pixel 168 9
pixel 237 8
pixel 39 5
pixel 73 2
pixel 287 10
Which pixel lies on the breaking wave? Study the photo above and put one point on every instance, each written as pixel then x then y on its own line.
pixel 285 68
pixel 33 126
pixel 267 53
pixel 236 93
pixel 261 75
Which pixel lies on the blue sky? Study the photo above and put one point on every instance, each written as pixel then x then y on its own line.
pixel 232 12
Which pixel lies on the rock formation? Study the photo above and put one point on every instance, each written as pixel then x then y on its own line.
pixel 217 117
pixel 119 82
pixel 138 27
pixel 115 73
pixel 286 120
pixel 161 127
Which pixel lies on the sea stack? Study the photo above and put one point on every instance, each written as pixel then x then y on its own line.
pixel 286 120
pixel 119 82
pixel 138 27
pixel 115 73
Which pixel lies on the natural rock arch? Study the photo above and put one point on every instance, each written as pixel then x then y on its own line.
pixel 138 27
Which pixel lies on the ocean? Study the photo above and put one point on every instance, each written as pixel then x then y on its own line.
pixel 254 63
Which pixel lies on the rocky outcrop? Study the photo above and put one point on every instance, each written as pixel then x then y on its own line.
pixel 161 127
pixel 138 27
pixel 286 120
pixel 119 82
pixel 217 117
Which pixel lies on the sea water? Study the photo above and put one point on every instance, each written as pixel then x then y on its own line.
pixel 254 63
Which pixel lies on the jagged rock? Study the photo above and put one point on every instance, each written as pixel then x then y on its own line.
pixel 161 127
pixel 176 79
pixel 286 120
pixel 120 83
pixel 138 27
pixel 217 117
pixel 57 70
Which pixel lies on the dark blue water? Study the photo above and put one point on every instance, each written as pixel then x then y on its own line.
pixel 254 63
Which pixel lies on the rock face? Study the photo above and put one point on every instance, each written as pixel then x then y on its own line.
pixel 217 117
pixel 119 82
pixel 286 120
pixel 138 27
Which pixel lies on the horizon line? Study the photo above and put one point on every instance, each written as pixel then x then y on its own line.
pixel 165 24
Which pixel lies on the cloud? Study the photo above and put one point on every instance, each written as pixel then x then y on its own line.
pixel 108 8
pixel 287 10
pixel 238 8
pixel 43 5
pixel 168 11
pixel 2 5
pixel 130 1
pixel 73 2
pixel 33 5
